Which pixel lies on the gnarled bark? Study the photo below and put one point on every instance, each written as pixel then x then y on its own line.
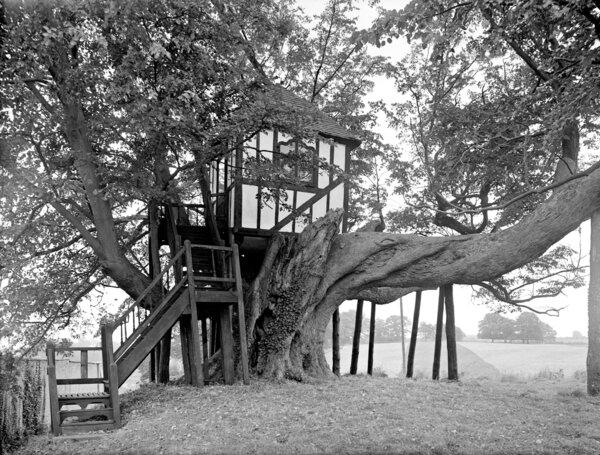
pixel 304 280
pixel 282 326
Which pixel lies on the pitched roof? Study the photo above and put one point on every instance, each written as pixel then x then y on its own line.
pixel 324 124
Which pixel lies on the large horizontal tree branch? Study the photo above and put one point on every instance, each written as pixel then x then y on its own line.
pixel 361 261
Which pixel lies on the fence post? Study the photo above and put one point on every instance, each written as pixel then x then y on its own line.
pixel 53 389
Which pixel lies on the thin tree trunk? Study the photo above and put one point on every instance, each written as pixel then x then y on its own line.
pixel 356 337
pixel 402 335
pixel 593 355
pixel 371 339
pixel 450 334
pixel 336 342
pixel 438 336
pixel 413 336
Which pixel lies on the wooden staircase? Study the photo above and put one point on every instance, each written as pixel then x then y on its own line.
pixel 209 283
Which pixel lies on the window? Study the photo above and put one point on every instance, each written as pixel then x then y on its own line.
pixel 297 160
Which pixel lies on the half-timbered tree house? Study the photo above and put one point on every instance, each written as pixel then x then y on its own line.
pixel 200 282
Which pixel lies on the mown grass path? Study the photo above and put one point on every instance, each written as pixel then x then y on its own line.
pixel 351 415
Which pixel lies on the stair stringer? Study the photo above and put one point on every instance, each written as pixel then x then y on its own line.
pixel 128 361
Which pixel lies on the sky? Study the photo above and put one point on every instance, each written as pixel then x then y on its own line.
pixel 467 311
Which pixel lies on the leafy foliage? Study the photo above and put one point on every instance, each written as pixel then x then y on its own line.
pixel 21 389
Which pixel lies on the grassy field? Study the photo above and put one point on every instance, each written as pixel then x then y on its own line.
pixel 476 359
pixel 349 416
pixel 527 359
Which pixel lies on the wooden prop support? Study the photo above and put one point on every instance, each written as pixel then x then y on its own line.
pixel 451 334
pixel 356 338
pixel 402 337
pixel 371 340
pixel 438 336
pixel 227 345
pixel 413 336
pixel 185 331
pixel 335 342
pixel 165 356
pixel 153 249
pixel 205 353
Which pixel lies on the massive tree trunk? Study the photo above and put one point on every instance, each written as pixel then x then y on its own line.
pixel 304 280
pixel 285 329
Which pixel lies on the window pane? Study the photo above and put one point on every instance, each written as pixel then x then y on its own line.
pixel 249 206
pixel 324 149
pixel 266 141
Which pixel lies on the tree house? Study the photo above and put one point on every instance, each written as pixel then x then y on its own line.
pixel 198 283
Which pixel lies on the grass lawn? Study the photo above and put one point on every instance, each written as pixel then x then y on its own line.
pixel 350 415
pixel 528 359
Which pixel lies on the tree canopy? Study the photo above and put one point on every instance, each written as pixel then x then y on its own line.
pixel 109 108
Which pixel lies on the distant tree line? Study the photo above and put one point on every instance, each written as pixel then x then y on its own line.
pixel 526 328
pixel 386 330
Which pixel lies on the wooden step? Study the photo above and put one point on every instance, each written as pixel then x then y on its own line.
pixel 83 399
pixel 81 381
pixel 82 427
pixel 86 414
pixel 215 296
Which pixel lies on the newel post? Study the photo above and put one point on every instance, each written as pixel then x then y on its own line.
pixel 53 389
pixel 196 356
pixel 111 373
pixel 241 314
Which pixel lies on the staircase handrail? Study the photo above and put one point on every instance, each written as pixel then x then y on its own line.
pixel 122 321
pixel 147 321
pixel 146 291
